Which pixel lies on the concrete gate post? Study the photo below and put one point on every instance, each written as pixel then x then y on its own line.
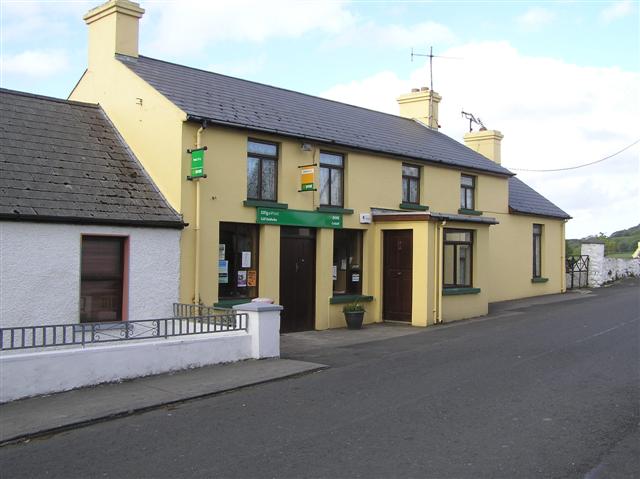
pixel 595 251
pixel 264 327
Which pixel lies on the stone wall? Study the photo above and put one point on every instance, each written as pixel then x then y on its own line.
pixel 603 269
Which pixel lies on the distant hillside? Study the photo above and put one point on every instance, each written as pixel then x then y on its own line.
pixel 623 241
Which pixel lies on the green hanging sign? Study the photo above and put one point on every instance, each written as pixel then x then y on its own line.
pixel 313 219
pixel 197 163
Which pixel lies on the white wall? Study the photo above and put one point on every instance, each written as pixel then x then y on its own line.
pixel 40 271
pixel 603 269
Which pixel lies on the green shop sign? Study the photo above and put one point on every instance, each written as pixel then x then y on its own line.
pixel 313 219
pixel 197 163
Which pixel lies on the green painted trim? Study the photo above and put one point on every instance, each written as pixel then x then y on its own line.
pixel 228 303
pixel 539 280
pixel 413 206
pixel 464 211
pixel 265 204
pixel 456 291
pixel 350 298
pixel 333 209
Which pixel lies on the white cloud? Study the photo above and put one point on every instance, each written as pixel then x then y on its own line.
pixel 35 63
pixel 535 18
pixel 403 36
pixel 617 10
pixel 553 114
pixel 180 28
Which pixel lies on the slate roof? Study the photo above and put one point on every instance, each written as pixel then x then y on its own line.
pixel 524 199
pixel 234 102
pixel 63 161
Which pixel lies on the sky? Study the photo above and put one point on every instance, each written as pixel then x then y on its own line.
pixel 560 80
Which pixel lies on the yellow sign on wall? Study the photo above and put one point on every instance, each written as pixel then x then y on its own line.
pixel 307 176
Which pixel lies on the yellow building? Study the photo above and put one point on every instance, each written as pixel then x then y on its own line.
pixel 315 203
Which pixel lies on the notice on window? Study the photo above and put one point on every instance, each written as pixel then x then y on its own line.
pixel 355 278
pixel 252 277
pixel 246 259
pixel 222 251
pixel 242 278
pixel 343 264
pixel 223 272
pixel 335 272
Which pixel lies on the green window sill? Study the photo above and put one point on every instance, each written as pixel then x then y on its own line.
pixel 539 280
pixel 229 303
pixel 413 206
pixel 266 204
pixel 334 209
pixel 457 291
pixel 464 211
pixel 350 298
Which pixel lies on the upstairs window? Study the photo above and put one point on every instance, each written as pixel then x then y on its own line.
pixel 467 192
pixel 410 184
pixel 262 170
pixel 537 251
pixel 347 262
pixel 102 276
pixel 458 258
pixel 331 179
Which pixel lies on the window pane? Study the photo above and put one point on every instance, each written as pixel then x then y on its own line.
pixel 462 198
pixel 458 236
pixel 469 199
pixel 347 262
pixel 253 171
pixel 262 148
pixel 464 265
pixel 405 190
pixel 537 229
pixel 268 179
pixel 536 257
pixel 238 261
pixel 330 159
pixel 413 190
pixel 466 180
pixel 410 171
pixel 336 187
pixel 324 186
pixel 448 264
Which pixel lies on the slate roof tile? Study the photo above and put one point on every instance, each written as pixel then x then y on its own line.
pixel 63 161
pixel 526 200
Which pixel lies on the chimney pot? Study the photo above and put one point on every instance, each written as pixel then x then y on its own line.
pixel 415 90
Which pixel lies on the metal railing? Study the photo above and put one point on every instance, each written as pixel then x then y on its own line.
pixel 182 310
pixel 577 271
pixel 27 337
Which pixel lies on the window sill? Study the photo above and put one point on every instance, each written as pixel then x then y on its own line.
pixel 465 211
pixel 334 209
pixel 229 303
pixel 413 206
pixel 265 204
pixel 457 291
pixel 350 298
pixel 539 280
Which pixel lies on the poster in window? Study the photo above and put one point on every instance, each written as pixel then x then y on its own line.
pixel 242 278
pixel 355 277
pixel 246 259
pixel 343 264
pixel 222 249
pixel 252 278
pixel 335 272
pixel 223 272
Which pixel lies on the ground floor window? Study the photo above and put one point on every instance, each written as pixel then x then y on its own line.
pixel 537 251
pixel 102 275
pixel 347 262
pixel 458 258
pixel 238 261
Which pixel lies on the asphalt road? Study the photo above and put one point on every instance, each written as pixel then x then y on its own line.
pixel 552 391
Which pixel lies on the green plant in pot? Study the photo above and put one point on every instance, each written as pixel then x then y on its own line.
pixel 353 315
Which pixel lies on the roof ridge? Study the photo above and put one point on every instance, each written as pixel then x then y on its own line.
pixel 47 98
pixel 278 88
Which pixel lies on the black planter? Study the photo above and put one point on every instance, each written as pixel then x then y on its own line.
pixel 354 319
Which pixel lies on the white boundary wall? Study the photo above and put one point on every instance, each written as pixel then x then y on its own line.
pixel 603 269
pixel 40 271
pixel 25 373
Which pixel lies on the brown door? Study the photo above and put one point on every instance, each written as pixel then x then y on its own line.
pixel 297 279
pixel 398 274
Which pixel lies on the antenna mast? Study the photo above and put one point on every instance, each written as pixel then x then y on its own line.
pixel 431 57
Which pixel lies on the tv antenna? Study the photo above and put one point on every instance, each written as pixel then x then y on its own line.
pixel 472 119
pixel 431 56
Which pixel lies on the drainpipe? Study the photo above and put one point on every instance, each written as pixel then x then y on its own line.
pixel 436 261
pixel 437 293
pixel 196 294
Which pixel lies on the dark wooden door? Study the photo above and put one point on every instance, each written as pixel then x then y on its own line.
pixel 297 279
pixel 398 275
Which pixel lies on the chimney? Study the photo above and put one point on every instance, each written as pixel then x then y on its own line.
pixel 113 28
pixel 422 105
pixel 486 142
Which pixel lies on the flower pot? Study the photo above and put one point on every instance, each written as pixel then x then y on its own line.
pixel 354 319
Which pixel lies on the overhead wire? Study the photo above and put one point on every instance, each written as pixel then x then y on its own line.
pixel 578 166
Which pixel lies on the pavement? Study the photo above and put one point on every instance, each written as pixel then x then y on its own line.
pixel 32 417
